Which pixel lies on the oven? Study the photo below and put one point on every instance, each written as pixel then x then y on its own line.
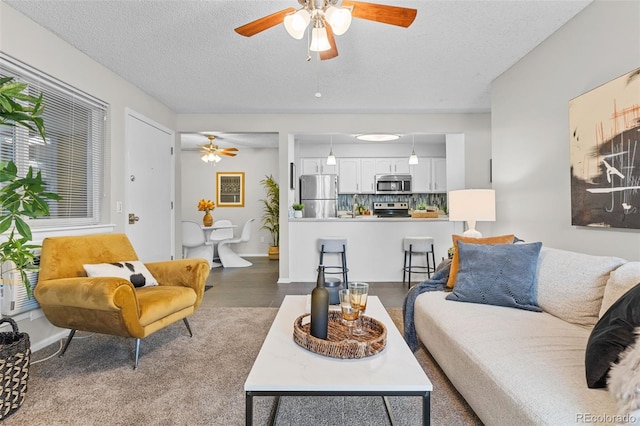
pixel 393 184
pixel 391 209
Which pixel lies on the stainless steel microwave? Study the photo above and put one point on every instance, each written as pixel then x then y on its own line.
pixel 393 184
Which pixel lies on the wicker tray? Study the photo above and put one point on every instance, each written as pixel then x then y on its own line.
pixel 424 213
pixel 369 344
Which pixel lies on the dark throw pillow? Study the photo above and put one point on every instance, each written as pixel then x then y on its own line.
pixel 498 274
pixel 611 336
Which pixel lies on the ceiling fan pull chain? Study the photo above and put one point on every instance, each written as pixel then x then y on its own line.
pixel 318 93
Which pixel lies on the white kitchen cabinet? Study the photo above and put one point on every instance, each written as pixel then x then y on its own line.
pixel 392 166
pixel 316 166
pixel 367 176
pixel 429 175
pixel 349 175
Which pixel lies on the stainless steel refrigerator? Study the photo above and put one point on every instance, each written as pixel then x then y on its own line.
pixel 319 194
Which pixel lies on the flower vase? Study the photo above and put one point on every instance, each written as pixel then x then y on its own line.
pixel 207 220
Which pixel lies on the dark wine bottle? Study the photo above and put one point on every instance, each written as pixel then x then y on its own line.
pixel 320 307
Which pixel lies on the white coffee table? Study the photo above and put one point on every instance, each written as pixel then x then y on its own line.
pixel 283 368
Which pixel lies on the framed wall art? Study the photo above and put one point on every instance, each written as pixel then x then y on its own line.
pixel 230 189
pixel 604 136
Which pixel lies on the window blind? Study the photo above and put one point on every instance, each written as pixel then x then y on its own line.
pixel 71 157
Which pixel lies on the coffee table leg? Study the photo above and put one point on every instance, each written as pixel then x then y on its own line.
pixel 248 415
pixel 426 409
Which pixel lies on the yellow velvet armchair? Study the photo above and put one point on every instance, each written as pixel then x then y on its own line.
pixel 111 305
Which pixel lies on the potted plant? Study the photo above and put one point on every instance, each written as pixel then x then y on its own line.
pixel 421 206
pixel 271 214
pixel 297 209
pixel 20 197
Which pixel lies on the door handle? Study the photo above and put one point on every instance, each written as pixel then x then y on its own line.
pixel 133 218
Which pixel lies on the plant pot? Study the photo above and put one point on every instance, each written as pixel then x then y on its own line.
pixel 297 213
pixel 274 253
pixel 207 220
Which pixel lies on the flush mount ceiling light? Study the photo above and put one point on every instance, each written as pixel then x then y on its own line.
pixel 377 137
pixel 326 20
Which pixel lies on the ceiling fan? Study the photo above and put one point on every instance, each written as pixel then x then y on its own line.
pixel 327 19
pixel 211 152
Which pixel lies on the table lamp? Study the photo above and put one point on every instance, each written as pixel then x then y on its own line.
pixel 472 205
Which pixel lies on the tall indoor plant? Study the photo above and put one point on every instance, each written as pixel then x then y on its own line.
pixel 20 197
pixel 271 214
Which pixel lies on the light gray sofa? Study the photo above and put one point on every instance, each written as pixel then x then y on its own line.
pixel 517 367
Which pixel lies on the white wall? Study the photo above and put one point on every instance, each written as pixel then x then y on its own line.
pixel 475 127
pixel 199 181
pixel 530 125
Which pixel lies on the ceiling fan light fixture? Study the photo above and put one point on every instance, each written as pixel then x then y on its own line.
pixel 319 40
pixel 377 137
pixel 339 18
pixel 296 23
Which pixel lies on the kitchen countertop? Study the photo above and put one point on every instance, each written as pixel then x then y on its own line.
pixel 369 218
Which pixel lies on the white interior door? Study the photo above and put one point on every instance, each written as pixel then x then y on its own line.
pixel 150 188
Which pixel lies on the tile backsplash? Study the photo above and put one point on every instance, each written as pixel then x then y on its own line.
pixel 345 201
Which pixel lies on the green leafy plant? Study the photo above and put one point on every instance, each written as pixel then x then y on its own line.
pixel 271 209
pixel 296 206
pixel 421 206
pixel 20 197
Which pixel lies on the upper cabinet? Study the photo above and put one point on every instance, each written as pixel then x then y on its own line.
pixel 392 165
pixel 316 166
pixel 429 175
pixel 357 175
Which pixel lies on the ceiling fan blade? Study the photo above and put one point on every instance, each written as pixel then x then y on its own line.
pixel 264 23
pixel 394 15
pixel 228 154
pixel 333 51
pixel 229 149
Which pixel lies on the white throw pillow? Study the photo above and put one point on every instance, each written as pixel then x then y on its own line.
pixel 620 281
pixel 132 270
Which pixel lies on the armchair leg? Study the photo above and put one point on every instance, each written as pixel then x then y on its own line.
pixel 66 344
pixel 186 322
pixel 137 353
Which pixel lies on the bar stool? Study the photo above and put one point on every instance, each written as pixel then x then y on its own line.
pixel 418 245
pixel 334 245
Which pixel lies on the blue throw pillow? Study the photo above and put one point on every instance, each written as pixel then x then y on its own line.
pixel 498 274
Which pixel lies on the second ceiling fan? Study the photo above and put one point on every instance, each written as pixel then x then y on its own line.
pixel 327 19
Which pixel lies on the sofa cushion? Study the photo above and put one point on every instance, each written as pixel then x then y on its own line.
pixel 455 262
pixel 497 274
pixel 620 281
pixel 132 270
pixel 611 336
pixel 571 285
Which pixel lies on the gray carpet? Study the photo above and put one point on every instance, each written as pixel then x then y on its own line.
pixel 199 381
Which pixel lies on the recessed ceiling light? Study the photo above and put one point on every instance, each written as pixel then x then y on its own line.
pixel 377 137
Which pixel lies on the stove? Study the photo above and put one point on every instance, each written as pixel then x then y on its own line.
pixel 391 209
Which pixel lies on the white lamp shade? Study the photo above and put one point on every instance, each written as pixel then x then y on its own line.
pixel 319 40
pixel 472 205
pixel 331 160
pixel 413 159
pixel 296 23
pixel 339 18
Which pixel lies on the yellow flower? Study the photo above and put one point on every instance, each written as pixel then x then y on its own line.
pixel 206 205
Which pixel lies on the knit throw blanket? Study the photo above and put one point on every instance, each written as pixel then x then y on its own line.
pixel 437 282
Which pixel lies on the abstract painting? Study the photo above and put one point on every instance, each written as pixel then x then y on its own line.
pixel 604 135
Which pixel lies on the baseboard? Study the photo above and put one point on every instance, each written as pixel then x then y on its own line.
pixel 49 340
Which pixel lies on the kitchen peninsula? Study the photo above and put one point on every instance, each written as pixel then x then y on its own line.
pixel 374 250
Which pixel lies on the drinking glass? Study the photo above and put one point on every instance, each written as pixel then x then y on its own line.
pixel 363 290
pixel 349 305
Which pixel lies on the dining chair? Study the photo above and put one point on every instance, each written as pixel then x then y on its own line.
pixel 220 234
pixel 228 257
pixel 194 244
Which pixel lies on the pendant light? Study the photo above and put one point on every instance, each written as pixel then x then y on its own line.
pixel 413 158
pixel 331 159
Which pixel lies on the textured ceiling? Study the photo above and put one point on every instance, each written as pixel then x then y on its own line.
pixel 186 54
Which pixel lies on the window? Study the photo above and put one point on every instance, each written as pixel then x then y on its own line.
pixel 71 158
